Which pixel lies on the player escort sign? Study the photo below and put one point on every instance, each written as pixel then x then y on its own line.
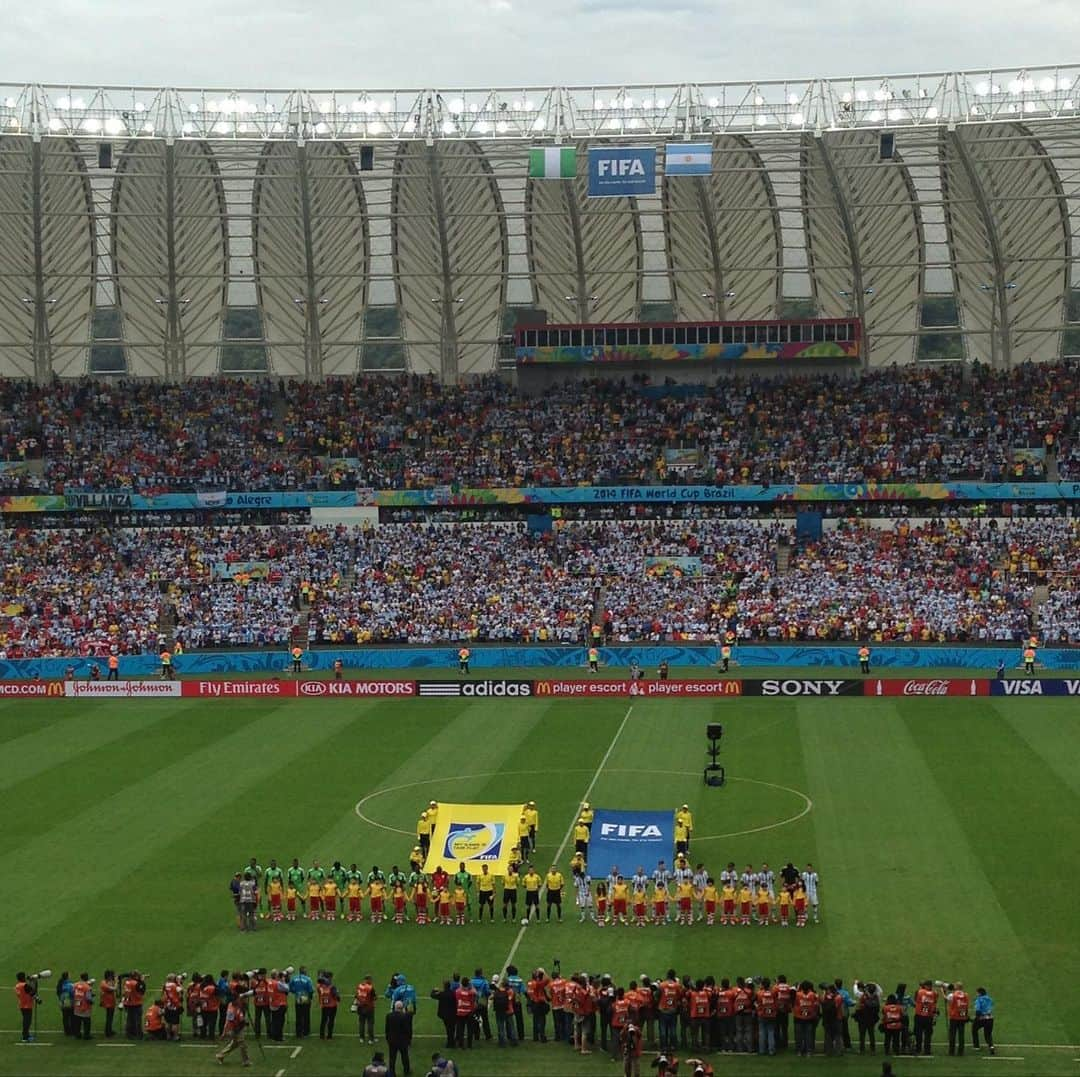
pixel 629 838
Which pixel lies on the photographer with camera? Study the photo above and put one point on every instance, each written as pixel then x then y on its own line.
pixel 107 1001
pixel 235 1027
pixel 131 998
pixel 329 997
pixel 82 1005
pixel 26 995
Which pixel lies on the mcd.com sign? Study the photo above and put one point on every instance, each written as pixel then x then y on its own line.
pixel 32 689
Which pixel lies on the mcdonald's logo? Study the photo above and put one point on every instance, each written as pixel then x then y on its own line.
pixel 54 688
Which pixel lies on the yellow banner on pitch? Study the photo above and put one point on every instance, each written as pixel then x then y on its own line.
pixel 474 835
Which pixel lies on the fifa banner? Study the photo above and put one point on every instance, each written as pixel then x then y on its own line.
pixel 474 835
pixel 625 839
pixel 621 171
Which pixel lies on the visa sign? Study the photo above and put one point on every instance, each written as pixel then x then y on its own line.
pixel 621 171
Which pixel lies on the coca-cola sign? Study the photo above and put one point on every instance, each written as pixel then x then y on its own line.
pixel 927 686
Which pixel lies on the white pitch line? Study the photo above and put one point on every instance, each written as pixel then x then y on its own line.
pixel 570 830
pixel 116 1045
pixel 296 1052
pixel 280 1073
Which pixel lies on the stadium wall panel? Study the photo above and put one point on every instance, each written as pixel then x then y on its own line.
pixel 750 658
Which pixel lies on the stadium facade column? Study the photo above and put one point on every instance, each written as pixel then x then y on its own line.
pixel 42 344
pixel 847 221
pixel 1000 336
pixel 701 193
pixel 448 343
pixel 175 358
pixel 313 360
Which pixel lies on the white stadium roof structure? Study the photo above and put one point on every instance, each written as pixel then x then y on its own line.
pixel 255 200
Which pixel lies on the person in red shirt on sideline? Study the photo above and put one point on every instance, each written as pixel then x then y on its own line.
pixel 25 994
pixel 465 998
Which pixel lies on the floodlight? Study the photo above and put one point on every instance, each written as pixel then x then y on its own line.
pixel 714 102
pixel 148 128
pixel 648 103
pixel 529 106
pixel 1064 84
pixel 222 127
pixel 897 114
pixel 481 127
pixel 321 128
pixel 661 103
pixel 861 95
pixel 597 104
pixel 759 100
pixel 456 107
pixel 1067 103
pixel 408 127
pixel 1030 106
pixel 1029 85
pixel 1016 86
pixel 55 123
pixel 614 123
pixel 9 102
pixel 633 123
pixel 931 113
pixel 981 89
pixel 139 106
pixel 501 127
pixel 515 105
pixel 539 123
pixel 796 119
pixel 375 128
pixel 113 126
pixel 91 125
pixel 846 97
pixel 326 107
pixel 385 108
pixel 761 119
pixel 188 129
pixel 792 98
pixel 193 108
pixel 1047 85
pixel 874 116
pixel 213 106
pixel 64 103
pixel 448 127
pixel 78 103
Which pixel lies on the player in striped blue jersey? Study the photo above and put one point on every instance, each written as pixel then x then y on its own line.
pixel 583 893
pixel 810 885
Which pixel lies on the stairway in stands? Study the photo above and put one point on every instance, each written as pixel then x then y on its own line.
pixel 784 552
pixel 1039 597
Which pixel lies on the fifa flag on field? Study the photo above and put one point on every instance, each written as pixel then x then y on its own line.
pixel 474 835
pixel 688 159
pixel 552 162
pixel 625 839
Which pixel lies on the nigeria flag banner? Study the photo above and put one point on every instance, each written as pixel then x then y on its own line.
pixel 552 162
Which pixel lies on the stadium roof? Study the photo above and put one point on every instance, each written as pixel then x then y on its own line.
pixel 215 199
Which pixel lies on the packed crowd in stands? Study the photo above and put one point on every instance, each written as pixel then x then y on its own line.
pixel 67 592
pixel 898 424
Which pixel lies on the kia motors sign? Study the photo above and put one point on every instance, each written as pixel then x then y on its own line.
pixel 356 688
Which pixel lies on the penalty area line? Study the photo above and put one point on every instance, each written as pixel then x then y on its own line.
pixel 570 830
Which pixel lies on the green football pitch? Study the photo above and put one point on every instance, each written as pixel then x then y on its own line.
pixel 945 833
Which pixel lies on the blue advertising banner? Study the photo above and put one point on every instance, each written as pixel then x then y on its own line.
pixel 625 839
pixel 471 497
pixel 1016 686
pixel 621 171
